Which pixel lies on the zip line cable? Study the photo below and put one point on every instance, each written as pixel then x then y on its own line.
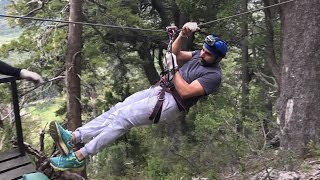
pixel 243 13
pixel 141 29
pixel 81 23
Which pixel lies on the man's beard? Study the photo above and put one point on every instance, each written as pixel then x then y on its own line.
pixel 204 63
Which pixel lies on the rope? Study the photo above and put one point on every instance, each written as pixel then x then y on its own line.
pixel 81 23
pixel 243 13
pixel 141 29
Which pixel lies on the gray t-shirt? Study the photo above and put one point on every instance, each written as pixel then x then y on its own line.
pixel 209 76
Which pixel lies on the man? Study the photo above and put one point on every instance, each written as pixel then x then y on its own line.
pixel 6 69
pixel 199 76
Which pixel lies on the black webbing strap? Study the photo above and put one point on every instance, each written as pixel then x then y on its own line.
pixel 179 101
pixel 156 113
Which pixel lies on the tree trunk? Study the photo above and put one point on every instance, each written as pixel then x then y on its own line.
pixel 161 9
pixel 299 101
pixel 148 63
pixel 270 52
pixel 73 63
pixel 180 18
pixel 244 68
pixel 73 68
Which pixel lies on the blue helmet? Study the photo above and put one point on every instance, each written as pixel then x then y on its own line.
pixel 216 46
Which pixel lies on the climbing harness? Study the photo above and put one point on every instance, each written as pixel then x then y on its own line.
pixel 165 80
pixel 156 113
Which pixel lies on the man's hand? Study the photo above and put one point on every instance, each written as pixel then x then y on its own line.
pixel 170 61
pixel 31 76
pixel 188 28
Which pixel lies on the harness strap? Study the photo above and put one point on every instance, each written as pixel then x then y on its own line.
pixel 179 101
pixel 169 87
pixel 156 113
pixel 165 83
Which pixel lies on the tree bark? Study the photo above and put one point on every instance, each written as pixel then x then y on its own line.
pixel 270 52
pixel 245 77
pixel 73 66
pixel 148 63
pixel 160 8
pixel 180 18
pixel 299 102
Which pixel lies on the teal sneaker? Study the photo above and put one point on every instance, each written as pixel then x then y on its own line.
pixel 62 137
pixel 64 163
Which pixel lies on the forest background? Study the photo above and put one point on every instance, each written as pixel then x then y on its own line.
pixel 244 128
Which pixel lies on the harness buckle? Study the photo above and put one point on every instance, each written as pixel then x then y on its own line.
pixel 161 95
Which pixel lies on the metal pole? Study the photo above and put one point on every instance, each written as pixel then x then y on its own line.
pixel 17 118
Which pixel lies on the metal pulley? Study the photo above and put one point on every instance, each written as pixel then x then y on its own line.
pixel 171 30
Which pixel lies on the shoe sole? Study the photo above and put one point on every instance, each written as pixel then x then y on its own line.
pixel 55 134
pixel 67 169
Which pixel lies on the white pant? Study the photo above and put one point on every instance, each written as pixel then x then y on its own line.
pixel 133 111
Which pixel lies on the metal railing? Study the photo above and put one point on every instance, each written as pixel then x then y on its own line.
pixel 16 109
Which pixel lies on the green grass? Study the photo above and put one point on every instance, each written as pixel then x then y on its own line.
pixel 38 116
pixel 44 111
pixel 7 38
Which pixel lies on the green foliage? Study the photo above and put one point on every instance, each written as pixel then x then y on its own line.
pixel 6 132
pixel 40 114
pixel 5 96
pixel 313 149
pixel 157 168
pixel 45 109
pixel 186 5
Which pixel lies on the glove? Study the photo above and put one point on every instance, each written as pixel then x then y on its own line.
pixel 170 61
pixel 31 76
pixel 188 28
pixel 192 26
